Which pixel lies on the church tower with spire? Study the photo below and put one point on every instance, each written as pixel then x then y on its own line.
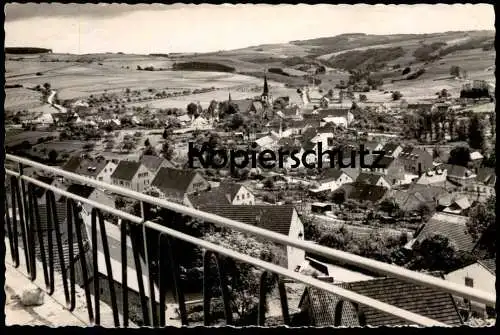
pixel 266 98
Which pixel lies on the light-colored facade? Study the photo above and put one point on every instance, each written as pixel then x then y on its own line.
pixel 139 182
pixel 295 256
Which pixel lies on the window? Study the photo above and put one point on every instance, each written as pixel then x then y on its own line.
pixel 121 182
pixel 469 282
pixel 297 268
pixel 237 197
pixel 242 196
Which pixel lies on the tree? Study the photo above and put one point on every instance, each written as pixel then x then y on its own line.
pixel 236 121
pixel 435 253
pixel 167 151
pixel 339 239
pixel 455 71
pixel 192 109
pixel 243 278
pixel 311 230
pixel 338 197
pixel 444 93
pixel 212 108
pixel 269 184
pixel 459 156
pixel 406 71
pixel 46 86
pixel 481 217
pixel 396 95
pixel 53 156
pixel 476 133
pixel 363 98
pixel 147 143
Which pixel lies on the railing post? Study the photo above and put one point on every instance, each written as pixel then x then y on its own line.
pixel 151 305
pixel 123 244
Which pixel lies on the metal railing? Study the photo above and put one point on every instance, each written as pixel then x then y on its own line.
pixel 24 215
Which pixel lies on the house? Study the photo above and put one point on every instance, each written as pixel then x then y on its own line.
pixel 451 226
pixel 390 167
pixel 418 196
pixel 476 159
pixel 330 180
pixel 458 205
pixel 373 179
pixel 361 192
pixel 436 177
pixel 459 174
pixel 226 193
pixel 415 160
pixel 282 219
pixel 45 119
pixel 319 307
pixel 132 175
pixel 392 149
pixel 154 163
pixel 480 275
pixel 92 194
pixel 40 192
pixel 96 168
pixel 485 181
pixel 343 116
pixel 176 184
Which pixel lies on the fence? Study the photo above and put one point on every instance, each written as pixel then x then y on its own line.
pixel 24 216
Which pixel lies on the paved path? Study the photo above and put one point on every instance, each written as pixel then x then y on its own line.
pixel 53 312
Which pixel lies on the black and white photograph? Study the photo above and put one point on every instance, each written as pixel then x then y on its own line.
pixel 182 165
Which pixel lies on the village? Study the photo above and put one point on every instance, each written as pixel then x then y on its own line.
pixel 212 174
pixel 437 170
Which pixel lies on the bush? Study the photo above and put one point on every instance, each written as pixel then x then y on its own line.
pixel 406 70
pixel 202 66
pixel 396 95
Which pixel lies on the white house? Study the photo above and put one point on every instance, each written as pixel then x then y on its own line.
pixel 96 168
pixel 331 180
pixel 279 219
pixel 226 193
pixel 480 275
pixel 44 119
pixel 337 120
pixel 132 175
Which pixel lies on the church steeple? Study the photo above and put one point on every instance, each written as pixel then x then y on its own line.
pixel 266 88
pixel 229 100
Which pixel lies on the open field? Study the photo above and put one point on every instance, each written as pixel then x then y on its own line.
pixel 15 137
pixel 21 98
pixel 61 147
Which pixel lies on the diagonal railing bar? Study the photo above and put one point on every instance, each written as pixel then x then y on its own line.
pixel 25 214
pixel 135 236
pixel 275 279
pixel 167 256
pixel 16 198
pixel 144 251
pixel 97 214
pixel 78 222
pixel 10 235
pixel 333 254
pixel 51 208
pixel 35 222
pixel 50 232
pixel 284 301
pixel 123 247
pixel 207 289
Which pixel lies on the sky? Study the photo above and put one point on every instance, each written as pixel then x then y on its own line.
pixel 144 29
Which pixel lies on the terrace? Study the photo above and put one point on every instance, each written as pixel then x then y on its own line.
pixel 23 216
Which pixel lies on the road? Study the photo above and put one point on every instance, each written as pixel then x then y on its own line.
pixel 50 100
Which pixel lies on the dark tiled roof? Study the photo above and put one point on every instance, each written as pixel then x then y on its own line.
pixel 126 170
pixel 40 191
pixel 418 299
pixel 368 178
pixel 153 163
pixel 334 112
pixel 385 162
pixel 486 176
pixel 81 190
pixel 329 128
pixel 85 166
pixel 173 180
pixel 274 218
pixel 331 174
pixel 490 265
pixel 367 192
pixel 390 147
pixel 224 194
pixel 456 171
pixel 451 226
